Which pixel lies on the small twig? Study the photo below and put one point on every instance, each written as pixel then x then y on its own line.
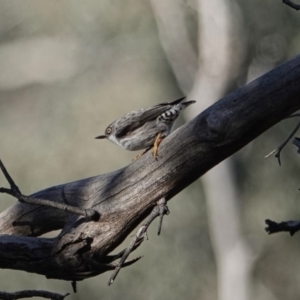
pixel 32 293
pixel 12 184
pixel 163 210
pixel 74 286
pixel 15 192
pixel 139 235
pixel 290 226
pixel 280 148
pixel 142 231
pixel 291 4
pixel 110 258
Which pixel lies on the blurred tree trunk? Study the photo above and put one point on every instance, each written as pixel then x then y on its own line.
pixel 220 45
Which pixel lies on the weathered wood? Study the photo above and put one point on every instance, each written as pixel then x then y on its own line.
pixel 124 197
pixel 30 293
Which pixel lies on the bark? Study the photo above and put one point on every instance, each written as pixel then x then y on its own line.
pixel 123 198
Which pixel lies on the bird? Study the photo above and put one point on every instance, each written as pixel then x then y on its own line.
pixel 145 128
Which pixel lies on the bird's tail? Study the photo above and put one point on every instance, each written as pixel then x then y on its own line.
pixel 176 101
pixel 187 103
pixel 171 114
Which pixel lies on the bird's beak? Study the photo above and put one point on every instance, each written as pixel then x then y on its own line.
pixel 101 137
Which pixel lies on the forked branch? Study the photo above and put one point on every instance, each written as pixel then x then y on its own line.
pixel 15 192
pixel 158 211
pixel 280 148
pixel 288 226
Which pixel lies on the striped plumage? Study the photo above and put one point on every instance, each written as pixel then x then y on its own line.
pixel 145 128
pixel 172 114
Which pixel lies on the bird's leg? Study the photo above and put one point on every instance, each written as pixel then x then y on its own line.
pixel 157 141
pixel 138 156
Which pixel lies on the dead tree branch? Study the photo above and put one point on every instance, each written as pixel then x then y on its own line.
pixel 291 4
pixel 288 226
pixel 15 192
pixel 160 210
pixel 30 294
pixel 124 198
pixel 280 148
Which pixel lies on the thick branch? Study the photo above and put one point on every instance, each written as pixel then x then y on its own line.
pixel 126 196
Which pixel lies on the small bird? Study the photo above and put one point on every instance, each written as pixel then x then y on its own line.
pixel 145 128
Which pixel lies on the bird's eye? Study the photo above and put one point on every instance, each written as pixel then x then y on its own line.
pixel 108 130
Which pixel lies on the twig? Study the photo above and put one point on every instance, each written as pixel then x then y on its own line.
pixel 159 210
pixel 32 293
pixel 12 184
pixel 15 192
pixel 163 210
pixel 291 4
pixel 290 226
pixel 74 286
pixel 280 148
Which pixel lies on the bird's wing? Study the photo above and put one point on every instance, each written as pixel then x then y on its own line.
pixel 136 119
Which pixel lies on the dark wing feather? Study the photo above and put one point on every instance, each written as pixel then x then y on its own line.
pixel 139 118
pixel 172 103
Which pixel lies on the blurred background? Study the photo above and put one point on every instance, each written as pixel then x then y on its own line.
pixel 69 68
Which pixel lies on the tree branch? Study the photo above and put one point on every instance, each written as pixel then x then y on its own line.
pixel 291 4
pixel 125 197
pixel 288 226
pixel 280 148
pixel 32 293
pixel 15 192
pixel 159 210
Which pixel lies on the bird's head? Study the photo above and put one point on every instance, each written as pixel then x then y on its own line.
pixel 108 133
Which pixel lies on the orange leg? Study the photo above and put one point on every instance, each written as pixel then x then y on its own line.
pixel 158 140
pixel 139 155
